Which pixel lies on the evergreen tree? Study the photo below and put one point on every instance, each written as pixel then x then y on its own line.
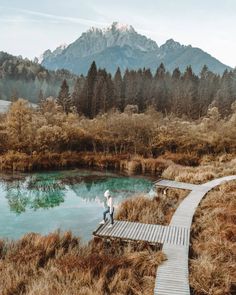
pixel 160 72
pixel 190 98
pixel 77 95
pixel 118 84
pixel 225 95
pixel 176 74
pixel 160 89
pixel 40 96
pixel 176 92
pixel 91 81
pixel 64 99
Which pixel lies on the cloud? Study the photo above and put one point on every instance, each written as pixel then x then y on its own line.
pixel 52 17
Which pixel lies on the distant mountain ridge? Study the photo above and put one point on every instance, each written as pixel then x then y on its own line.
pixel 121 46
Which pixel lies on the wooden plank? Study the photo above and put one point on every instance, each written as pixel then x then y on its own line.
pixel 180 240
pixel 167 234
pixel 159 228
pixel 133 231
pixel 156 234
pixel 177 184
pixel 176 235
pixel 114 228
pixel 103 228
pixel 128 230
pixel 172 235
pixel 161 233
pixel 151 239
pixel 147 232
pixel 139 235
pixel 119 233
pixel 137 231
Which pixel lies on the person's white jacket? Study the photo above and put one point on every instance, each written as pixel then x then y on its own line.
pixel 110 204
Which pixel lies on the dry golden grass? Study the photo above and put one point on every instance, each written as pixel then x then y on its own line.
pixel 59 264
pixel 157 210
pixel 19 161
pixel 208 170
pixel 213 264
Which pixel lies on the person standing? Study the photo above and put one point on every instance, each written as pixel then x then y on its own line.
pixel 109 209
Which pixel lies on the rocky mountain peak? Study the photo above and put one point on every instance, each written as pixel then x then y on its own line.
pixel 120 45
pixel 116 26
pixel 171 44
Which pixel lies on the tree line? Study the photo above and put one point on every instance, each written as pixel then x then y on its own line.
pixel 183 94
pixel 24 78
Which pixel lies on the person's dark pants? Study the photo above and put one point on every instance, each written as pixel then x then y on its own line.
pixel 111 214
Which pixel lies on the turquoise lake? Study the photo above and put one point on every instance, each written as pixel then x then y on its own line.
pixel 66 200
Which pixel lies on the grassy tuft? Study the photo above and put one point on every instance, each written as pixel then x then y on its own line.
pixel 212 267
pixel 157 210
pixel 59 264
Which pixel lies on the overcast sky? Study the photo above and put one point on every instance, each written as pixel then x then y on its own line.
pixel 30 27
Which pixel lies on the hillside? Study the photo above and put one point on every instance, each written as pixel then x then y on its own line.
pixel 24 78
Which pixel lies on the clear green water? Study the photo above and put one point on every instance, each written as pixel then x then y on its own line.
pixel 66 200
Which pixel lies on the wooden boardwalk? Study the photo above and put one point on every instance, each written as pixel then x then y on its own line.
pixel 176 184
pixel 172 276
pixel 151 233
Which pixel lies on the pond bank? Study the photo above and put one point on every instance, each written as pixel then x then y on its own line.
pixel 131 164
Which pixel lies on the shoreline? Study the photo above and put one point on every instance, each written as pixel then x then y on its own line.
pixel 123 163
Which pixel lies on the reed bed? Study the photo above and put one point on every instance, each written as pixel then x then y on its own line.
pixel 60 264
pixel 157 210
pixel 213 237
pixel 208 170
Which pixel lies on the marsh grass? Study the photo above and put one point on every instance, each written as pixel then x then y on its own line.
pixel 157 210
pixel 19 161
pixel 208 170
pixel 213 238
pixel 60 264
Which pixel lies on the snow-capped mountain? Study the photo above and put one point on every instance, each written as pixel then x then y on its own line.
pixel 120 45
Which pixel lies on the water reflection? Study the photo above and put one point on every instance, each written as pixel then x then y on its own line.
pixel 48 190
pixel 34 194
pixel 66 200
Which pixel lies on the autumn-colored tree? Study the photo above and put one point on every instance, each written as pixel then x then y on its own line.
pixel 18 125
